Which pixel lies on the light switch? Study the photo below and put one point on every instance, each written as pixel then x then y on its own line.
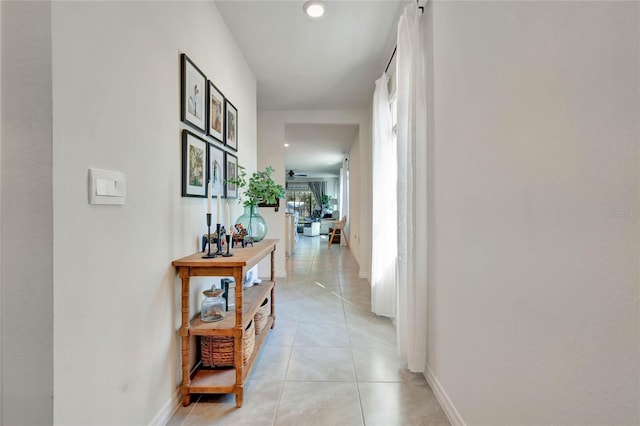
pixel 101 187
pixel 106 187
pixel 119 189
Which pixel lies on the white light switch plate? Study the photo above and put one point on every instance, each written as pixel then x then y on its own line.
pixel 107 187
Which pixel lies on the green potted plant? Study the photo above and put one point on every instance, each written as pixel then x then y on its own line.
pixel 260 188
pixel 326 203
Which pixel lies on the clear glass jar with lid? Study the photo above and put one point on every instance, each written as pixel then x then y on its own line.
pixel 213 305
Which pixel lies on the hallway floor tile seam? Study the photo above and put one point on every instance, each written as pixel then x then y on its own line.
pixel 275 412
pixel 194 401
pixel 355 372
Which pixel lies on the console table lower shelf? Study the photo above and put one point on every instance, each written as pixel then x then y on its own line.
pixel 224 380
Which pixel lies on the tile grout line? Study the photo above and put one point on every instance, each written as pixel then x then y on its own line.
pixel 353 361
pixel 355 370
pixel 284 381
pixel 193 405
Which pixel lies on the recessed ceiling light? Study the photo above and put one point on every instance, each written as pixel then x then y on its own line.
pixel 315 9
pixel 286 145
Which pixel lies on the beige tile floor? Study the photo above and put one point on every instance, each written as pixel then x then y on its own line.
pixel 328 361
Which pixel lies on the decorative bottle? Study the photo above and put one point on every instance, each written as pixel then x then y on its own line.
pixel 255 224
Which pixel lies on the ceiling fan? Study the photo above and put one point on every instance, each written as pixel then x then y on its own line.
pixel 293 175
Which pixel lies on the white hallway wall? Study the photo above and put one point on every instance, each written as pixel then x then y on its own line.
pixel 271 151
pixel 26 241
pixel 533 300
pixel 116 98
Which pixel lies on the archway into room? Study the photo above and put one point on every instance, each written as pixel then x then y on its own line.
pixel 317 162
pixel 315 128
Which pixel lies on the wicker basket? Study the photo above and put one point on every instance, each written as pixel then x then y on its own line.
pixel 261 316
pixel 218 351
pixel 249 341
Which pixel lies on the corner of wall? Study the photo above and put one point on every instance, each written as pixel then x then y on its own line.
pixel 441 395
pixel 168 409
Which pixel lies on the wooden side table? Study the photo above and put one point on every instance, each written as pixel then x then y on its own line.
pixel 196 379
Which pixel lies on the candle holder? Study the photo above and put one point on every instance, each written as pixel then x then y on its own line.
pixel 227 254
pixel 219 239
pixel 209 255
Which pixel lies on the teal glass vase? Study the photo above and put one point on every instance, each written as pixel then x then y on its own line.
pixel 254 223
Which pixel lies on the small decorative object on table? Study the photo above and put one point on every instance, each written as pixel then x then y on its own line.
pixel 241 236
pixel 218 240
pixel 254 223
pixel 213 239
pixel 229 287
pixel 251 277
pixel 227 254
pixel 208 255
pixel 213 306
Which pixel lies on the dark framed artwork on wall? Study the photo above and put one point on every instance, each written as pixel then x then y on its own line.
pixel 194 157
pixel 215 115
pixel 231 172
pixel 231 126
pixel 192 103
pixel 216 171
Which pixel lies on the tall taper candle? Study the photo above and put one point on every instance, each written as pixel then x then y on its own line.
pixel 228 220
pixel 218 209
pixel 209 194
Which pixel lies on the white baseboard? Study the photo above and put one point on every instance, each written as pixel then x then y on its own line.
pixel 441 395
pixel 279 275
pixel 168 409
pixel 363 273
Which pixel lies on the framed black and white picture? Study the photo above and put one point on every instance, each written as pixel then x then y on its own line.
pixel 231 172
pixel 215 115
pixel 216 171
pixel 193 105
pixel 194 157
pixel 231 126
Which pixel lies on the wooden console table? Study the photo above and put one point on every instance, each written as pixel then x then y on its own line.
pixel 229 380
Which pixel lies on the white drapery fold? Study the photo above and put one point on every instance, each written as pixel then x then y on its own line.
pixel 384 238
pixel 412 191
pixel 344 198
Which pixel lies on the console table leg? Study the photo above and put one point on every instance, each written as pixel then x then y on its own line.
pixel 273 290
pixel 184 334
pixel 239 395
pixel 186 400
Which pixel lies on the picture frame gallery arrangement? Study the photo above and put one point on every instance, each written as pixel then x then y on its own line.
pixel 206 150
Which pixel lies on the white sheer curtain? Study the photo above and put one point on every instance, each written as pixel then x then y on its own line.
pixel 383 238
pixel 412 191
pixel 344 197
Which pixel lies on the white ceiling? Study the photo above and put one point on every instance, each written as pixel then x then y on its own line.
pixel 305 63
pixel 302 63
pixel 318 150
